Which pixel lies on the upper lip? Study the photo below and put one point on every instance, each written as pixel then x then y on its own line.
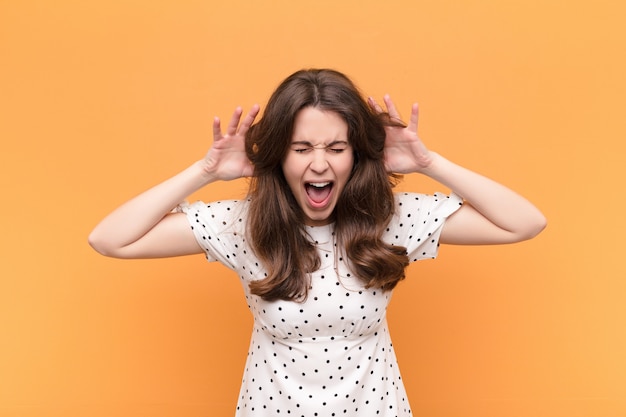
pixel 319 181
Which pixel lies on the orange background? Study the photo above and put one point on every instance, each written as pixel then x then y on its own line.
pixel 102 99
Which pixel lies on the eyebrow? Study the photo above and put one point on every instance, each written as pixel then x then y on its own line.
pixel 307 143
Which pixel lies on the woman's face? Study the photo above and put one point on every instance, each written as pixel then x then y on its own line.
pixel 318 163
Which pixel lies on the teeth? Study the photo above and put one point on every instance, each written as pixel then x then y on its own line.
pixel 319 184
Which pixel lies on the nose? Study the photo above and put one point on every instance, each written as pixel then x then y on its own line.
pixel 319 163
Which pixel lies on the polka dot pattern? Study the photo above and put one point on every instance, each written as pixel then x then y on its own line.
pixel 332 354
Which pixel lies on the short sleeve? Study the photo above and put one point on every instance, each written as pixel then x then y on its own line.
pixel 418 222
pixel 217 226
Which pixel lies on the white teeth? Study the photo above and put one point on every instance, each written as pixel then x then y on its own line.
pixel 319 184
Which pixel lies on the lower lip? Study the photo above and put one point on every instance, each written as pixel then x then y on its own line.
pixel 321 204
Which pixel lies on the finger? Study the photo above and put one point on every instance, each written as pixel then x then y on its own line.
pixel 217 129
pixel 249 119
pixel 391 107
pixel 374 105
pixel 231 130
pixel 414 117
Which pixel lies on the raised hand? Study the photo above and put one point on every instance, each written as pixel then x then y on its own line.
pixel 404 150
pixel 227 160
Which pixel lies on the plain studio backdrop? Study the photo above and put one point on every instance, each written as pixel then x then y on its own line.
pixel 99 100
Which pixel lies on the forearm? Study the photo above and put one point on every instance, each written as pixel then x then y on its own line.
pixel 501 206
pixel 132 220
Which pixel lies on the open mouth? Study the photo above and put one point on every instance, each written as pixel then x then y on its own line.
pixel 318 192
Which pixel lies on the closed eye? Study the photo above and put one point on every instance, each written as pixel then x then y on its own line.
pixel 336 150
pixel 302 150
pixel 306 147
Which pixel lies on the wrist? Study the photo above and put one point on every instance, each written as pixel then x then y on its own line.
pixel 431 164
pixel 205 173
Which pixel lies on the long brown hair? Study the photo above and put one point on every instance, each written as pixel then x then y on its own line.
pixel 275 220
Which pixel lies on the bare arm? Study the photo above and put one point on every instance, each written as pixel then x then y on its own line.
pixel 492 213
pixel 144 227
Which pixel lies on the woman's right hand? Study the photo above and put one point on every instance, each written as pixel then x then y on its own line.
pixel 227 160
pixel 144 226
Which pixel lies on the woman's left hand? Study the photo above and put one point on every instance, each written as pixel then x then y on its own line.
pixel 404 150
pixel 491 214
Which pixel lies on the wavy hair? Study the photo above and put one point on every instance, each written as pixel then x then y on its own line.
pixel 275 223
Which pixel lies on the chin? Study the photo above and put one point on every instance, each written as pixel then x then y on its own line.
pixel 317 220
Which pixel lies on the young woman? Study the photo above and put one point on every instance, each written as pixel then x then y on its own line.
pixel 321 240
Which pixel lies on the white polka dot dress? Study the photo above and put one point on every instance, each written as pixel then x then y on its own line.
pixel 332 354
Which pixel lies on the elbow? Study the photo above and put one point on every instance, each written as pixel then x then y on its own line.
pixel 101 245
pixel 540 223
pixel 535 226
pixel 97 244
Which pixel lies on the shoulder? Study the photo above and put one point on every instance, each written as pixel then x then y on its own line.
pixel 221 212
pixel 418 220
pixel 219 228
pixel 407 201
pixel 420 209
